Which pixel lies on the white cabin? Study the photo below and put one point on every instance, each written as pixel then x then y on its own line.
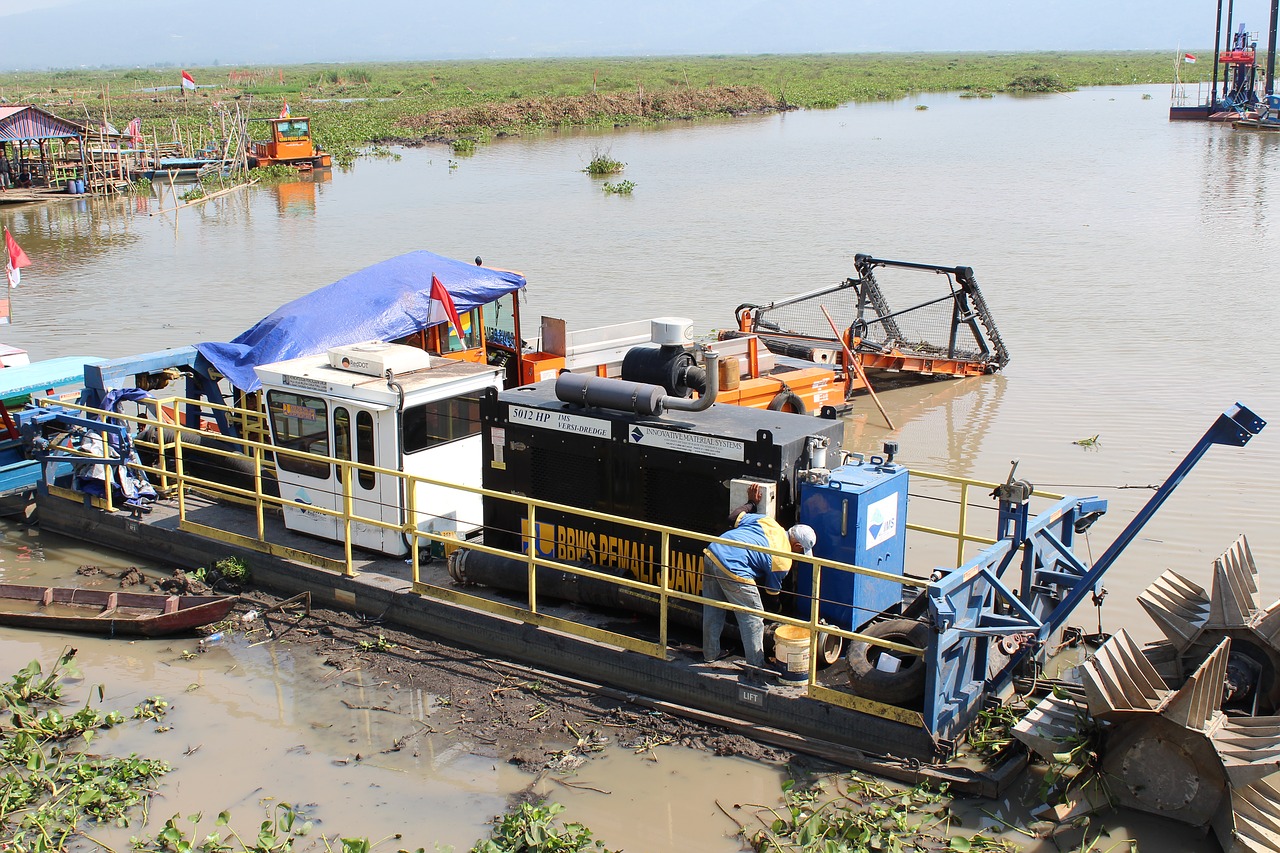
pixel 380 404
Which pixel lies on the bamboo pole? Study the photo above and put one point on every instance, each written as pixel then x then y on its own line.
pixel 205 198
pixel 857 367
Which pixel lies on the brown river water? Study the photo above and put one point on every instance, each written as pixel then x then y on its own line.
pixel 1130 263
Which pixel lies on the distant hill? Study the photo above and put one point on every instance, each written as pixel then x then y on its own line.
pixel 131 33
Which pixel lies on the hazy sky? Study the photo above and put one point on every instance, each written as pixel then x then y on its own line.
pixel 70 33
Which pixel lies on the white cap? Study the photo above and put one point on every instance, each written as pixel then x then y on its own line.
pixel 803 535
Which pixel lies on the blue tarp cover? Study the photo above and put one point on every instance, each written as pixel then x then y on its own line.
pixel 382 302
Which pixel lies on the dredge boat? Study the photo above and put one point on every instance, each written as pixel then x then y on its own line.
pixel 561 502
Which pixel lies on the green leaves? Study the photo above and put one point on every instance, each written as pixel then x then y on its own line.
pixel 530 828
pixel 865 814
pixel 620 188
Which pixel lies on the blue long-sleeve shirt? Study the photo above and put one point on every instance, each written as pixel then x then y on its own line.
pixel 745 565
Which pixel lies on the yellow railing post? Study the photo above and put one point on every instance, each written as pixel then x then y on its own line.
pixel 257 493
pixel 663 600
pixel 161 462
pixel 963 526
pixel 347 473
pixel 411 523
pixel 533 559
pixel 816 582
pixel 179 473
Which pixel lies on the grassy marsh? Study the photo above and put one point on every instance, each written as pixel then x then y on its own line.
pixel 354 105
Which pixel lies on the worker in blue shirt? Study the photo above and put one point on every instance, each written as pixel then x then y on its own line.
pixel 737 574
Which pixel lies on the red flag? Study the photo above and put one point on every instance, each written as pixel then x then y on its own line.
pixel 440 294
pixel 188 82
pixel 18 259
pixel 284 111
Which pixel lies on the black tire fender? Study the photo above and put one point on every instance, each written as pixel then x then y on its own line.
pixel 893 688
pixel 788 398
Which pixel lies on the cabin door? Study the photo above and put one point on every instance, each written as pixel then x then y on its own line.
pixel 366 434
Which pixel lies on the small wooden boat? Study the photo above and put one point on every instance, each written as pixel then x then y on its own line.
pixel 98 611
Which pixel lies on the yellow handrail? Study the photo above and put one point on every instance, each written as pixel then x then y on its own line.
pixel 177 436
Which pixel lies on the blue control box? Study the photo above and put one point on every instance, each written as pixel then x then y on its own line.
pixel 860 516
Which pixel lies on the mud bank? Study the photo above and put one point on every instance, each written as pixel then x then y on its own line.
pixel 520 715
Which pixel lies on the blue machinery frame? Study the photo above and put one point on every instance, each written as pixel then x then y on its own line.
pixel 971 607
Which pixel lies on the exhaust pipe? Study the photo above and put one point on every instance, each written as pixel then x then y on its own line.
pixel 637 397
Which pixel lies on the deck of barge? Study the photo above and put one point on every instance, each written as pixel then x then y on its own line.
pixel 381 586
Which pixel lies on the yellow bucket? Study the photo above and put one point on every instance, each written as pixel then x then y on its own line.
pixel 791 648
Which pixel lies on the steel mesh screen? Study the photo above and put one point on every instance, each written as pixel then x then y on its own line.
pixel 905 309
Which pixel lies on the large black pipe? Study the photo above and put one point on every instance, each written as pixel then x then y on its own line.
pixel 620 394
pixel 1217 42
pixel 1226 76
pixel 479 568
pixel 1271 48
pixel 637 397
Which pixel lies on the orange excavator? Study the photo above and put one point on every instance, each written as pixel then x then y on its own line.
pixel 290 143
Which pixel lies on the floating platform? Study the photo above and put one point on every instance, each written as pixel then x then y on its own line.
pixel 780 715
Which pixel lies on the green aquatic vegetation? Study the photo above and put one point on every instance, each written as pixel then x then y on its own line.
pixel 30 685
pixel 344 155
pixel 1039 83
pixel 273 174
pixel 620 188
pixel 233 570
pixel 276 834
pixel 151 708
pixel 856 813
pixel 50 790
pixel 531 828
pixel 992 730
pixel 463 145
pixel 141 186
pixel 381 644
pixel 604 164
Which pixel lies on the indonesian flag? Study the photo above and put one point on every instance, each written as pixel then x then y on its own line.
pixel 440 297
pixel 284 111
pixel 1189 59
pixel 135 132
pixel 188 82
pixel 18 259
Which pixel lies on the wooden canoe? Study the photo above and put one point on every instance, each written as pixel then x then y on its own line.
pixel 97 611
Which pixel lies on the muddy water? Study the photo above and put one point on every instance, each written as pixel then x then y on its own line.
pixel 256 723
pixel 1128 261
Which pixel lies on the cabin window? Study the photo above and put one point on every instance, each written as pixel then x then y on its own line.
pixel 500 322
pixel 471 325
pixel 296 129
pixel 300 422
pixel 441 422
pixel 341 436
pixel 364 449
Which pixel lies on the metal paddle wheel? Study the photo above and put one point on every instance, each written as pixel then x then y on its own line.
pixel 1206 752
